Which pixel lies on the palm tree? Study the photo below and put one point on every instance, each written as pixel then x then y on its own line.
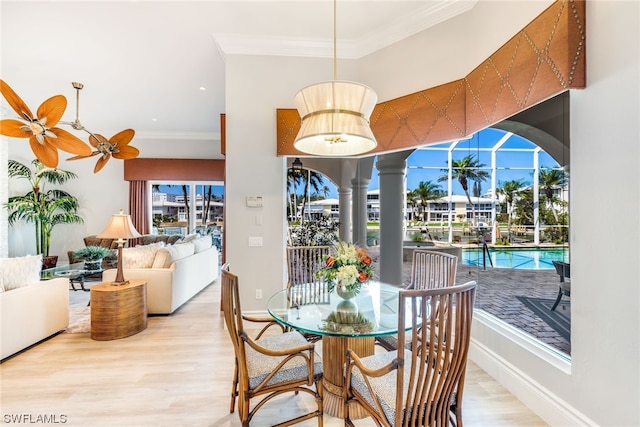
pixel 464 170
pixel 427 191
pixel 44 208
pixel 510 190
pixel 311 179
pixel 294 178
pixel 413 200
pixel 549 180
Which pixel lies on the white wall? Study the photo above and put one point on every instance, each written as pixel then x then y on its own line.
pixel 256 87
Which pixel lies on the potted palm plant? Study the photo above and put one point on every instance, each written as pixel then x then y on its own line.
pixel 92 256
pixel 45 208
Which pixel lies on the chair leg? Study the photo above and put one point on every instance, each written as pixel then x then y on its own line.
pixel 555 304
pixel 234 389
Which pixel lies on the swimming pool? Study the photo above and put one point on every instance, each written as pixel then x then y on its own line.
pixel 525 258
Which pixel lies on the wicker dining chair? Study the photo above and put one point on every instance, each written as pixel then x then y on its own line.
pixel 266 322
pixel 272 365
pixel 303 262
pixel 429 270
pixel 415 387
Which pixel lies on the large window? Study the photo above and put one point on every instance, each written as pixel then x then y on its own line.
pixel 188 207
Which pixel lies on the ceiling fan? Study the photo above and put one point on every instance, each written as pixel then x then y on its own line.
pixel 46 139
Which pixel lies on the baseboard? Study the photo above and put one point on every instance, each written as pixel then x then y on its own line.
pixel 546 404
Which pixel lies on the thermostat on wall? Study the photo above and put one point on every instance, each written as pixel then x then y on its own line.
pixel 254 201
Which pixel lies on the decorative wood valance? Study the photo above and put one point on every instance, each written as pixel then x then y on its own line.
pixel 174 169
pixel 544 59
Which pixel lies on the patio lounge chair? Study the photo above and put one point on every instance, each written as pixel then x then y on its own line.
pixel 564 270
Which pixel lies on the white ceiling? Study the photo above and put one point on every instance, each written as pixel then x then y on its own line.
pixel 144 60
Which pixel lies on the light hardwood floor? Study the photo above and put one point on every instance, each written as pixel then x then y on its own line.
pixel 177 372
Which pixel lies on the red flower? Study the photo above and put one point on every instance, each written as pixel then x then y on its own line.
pixel 363 277
pixel 330 261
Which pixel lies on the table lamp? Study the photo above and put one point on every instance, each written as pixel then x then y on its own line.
pixel 120 228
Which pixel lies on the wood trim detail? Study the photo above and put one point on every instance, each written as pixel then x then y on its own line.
pixel 544 59
pixel 174 169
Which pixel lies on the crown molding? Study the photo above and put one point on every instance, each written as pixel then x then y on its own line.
pixel 181 136
pixel 430 15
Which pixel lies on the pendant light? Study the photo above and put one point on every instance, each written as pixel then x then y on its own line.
pixel 335 115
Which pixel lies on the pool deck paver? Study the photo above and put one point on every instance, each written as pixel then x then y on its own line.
pixel 496 294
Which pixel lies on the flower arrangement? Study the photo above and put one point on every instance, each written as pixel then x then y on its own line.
pixel 350 266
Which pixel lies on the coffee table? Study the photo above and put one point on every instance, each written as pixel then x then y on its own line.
pixel 76 273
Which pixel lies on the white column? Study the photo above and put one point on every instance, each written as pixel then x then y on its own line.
pixel 391 168
pixel 344 198
pixel 359 213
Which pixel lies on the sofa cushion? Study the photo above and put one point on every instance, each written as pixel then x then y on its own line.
pixel 20 271
pixel 140 256
pixel 202 243
pixel 173 253
pixel 190 238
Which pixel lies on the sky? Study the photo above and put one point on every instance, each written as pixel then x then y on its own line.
pixel 514 160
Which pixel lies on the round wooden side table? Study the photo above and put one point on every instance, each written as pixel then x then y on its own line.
pixel 118 311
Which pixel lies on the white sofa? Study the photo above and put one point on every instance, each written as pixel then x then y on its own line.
pixel 174 273
pixel 32 313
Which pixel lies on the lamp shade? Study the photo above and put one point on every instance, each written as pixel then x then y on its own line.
pixel 335 119
pixel 120 227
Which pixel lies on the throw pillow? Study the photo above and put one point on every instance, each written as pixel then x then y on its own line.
pixel 148 239
pixel 140 256
pixel 20 271
pixel 173 238
pixel 202 243
pixel 161 259
pixel 176 252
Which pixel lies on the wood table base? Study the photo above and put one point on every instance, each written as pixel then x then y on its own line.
pixel 118 311
pixel 333 357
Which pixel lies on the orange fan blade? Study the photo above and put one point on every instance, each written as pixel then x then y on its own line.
pixel 84 157
pixel 126 152
pixel 11 127
pixel 15 101
pixel 45 152
pixel 101 162
pixel 123 137
pixel 96 139
pixel 53 109
pixel 68 142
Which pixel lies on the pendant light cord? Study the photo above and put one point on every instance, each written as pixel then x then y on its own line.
pixel 335 67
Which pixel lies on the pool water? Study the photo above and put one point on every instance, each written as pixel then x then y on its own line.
pixel 530 259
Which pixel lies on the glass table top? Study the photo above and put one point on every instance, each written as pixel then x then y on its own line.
pixel 310 308
pixel 69 270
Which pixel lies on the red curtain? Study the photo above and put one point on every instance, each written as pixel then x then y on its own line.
pixel 139 207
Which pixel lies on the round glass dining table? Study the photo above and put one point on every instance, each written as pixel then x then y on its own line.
pixel 343 324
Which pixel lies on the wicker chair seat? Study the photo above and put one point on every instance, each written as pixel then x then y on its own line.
pixel 385 386
pixel 259 366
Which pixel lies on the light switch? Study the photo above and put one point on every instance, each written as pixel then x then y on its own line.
pixel 258 219
pixel 255 240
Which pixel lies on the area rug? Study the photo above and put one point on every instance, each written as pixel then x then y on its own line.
pixel 79 313
pixel 559 320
